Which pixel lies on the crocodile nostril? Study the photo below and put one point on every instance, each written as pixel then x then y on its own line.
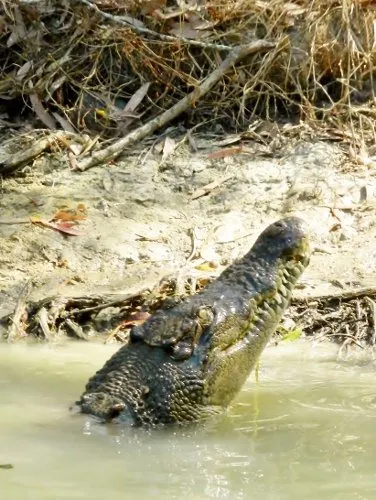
pixel 115 410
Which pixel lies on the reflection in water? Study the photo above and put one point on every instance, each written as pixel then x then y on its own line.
pixel 307 431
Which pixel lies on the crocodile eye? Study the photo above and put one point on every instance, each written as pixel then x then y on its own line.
pixel 206 316
pixel 276 229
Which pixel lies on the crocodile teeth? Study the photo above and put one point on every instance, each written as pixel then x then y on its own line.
pixel 267 307
pixel 278 299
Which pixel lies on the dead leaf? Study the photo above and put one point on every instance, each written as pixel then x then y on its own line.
pixel 24 69
pixel 232 139
pixel 224 153
pixel 185 30
pixel 125 116
pixel 206 25
pixel 136 319
pixel 75 149
pixel 158 148
pixel 168 148
pixel 193 26
pixel 69 215
pixel 293 9
pixel 62 227
pixel 41 113
pixel 19 31
pixel 64 124
pixel 149 6
pixel 135 100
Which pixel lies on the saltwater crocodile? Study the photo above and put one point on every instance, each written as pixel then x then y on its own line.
pixel 189 361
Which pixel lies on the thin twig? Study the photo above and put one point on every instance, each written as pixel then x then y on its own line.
pixel 193 236
pixel 16 221
pixel 188 101
pixel 208 188
pixel 132 23
pixel 121 301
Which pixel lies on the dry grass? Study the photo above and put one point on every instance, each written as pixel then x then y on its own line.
pixel 84 66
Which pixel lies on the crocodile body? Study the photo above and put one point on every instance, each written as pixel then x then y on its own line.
pixel 189 361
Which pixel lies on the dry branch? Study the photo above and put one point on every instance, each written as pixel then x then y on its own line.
pixel 208 188
pixel 137 26
pixel 84 60
pixel 17 160
pixel 234 57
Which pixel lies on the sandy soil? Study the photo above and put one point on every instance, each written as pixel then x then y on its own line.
pixel 146 218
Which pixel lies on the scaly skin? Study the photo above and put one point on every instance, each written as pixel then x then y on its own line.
pixel 189 361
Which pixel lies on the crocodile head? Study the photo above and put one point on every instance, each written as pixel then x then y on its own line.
pixel 252 296
pixel 189 361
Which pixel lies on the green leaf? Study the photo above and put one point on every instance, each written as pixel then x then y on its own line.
pixel 291 335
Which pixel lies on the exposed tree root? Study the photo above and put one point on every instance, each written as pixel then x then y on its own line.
pixel 348 318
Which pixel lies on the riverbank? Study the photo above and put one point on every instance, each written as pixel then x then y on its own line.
pixel 119 237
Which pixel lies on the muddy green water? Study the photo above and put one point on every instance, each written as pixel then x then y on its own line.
pixel 307 431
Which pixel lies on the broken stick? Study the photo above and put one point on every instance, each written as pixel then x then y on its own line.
pixel 14 161
pixel 115 149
